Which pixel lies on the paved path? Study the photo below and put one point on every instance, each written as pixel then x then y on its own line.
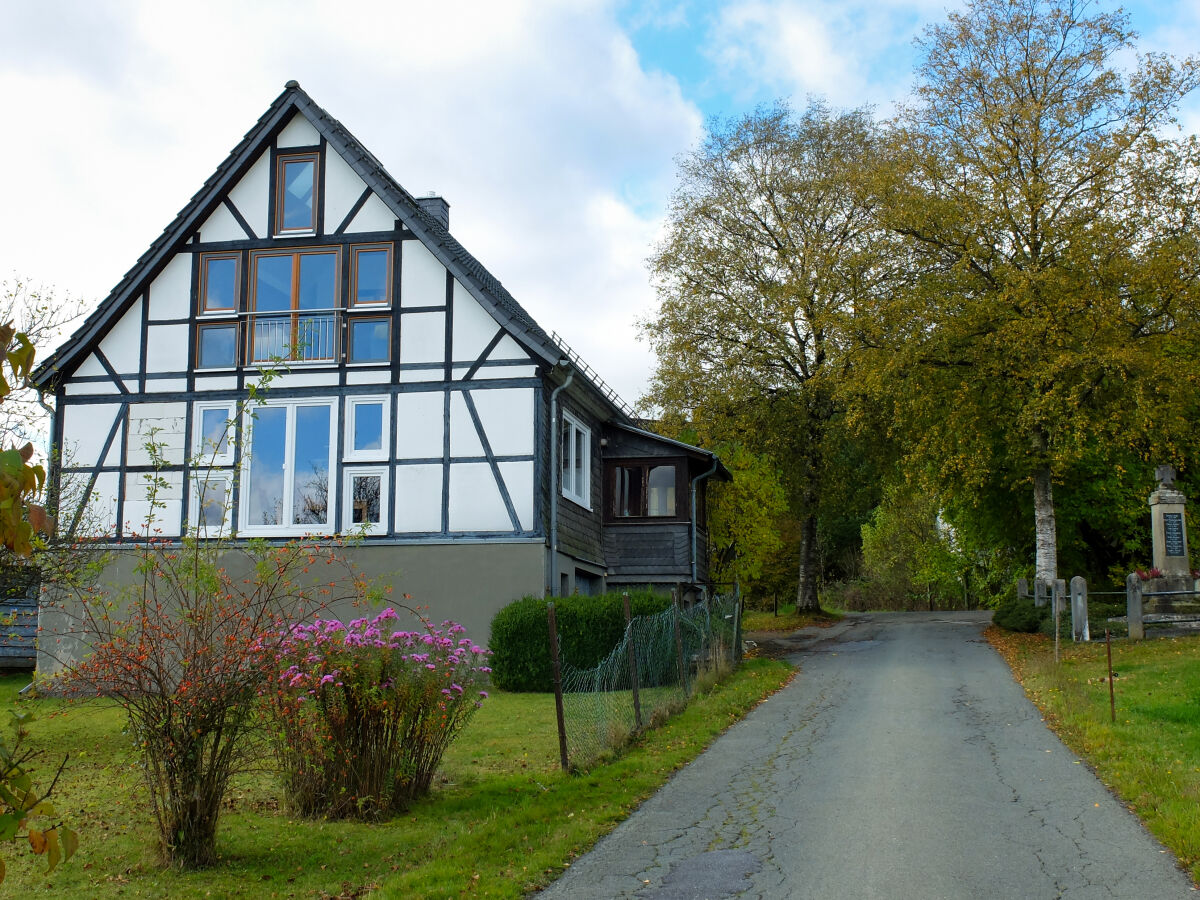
pixel 903 762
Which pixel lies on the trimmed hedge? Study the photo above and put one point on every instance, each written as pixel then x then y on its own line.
pixel 1019 614
pixel 588 629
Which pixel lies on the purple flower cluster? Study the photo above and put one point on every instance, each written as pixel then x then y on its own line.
pixel 329 652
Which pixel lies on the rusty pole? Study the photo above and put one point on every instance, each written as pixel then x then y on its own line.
pixel 558 694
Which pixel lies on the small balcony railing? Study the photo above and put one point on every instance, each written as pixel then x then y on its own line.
pixel 298 336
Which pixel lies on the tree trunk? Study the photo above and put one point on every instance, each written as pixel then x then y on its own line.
pixel 1046 536
pixel 806 587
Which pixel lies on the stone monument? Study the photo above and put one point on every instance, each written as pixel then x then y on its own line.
pixel 1168 530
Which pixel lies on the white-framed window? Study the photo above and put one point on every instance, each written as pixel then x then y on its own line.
pixel 365 499
pixel 211 502
pixel 576 461
pixel 213 433
pixel 367 423
pixel 287 485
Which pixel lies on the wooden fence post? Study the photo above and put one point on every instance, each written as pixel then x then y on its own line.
pixel 558 694
pixel 632 653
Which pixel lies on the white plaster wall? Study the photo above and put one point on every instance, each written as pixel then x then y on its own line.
pixel 423 337
pixel 250 194
pixel 422 277
pixel 90 388
pixel 158 423
pixel 122 346
pixel 418 498
pixel 473 326
pixel 434 373
pixel 475 501
pixel 216 383
pixel 156 505
pixel 374 216
pixel 166 385
pixel 298 133
pixel 370 376
pixel 100 516
pixel 518 478
pixel 485 373
pixel 508 349
pixel 464 439
pixel 171 291
pixel 91 366
pixel 420 425
pixel 343 187
pixel 166 349
pixel 85 429
pixel 297 379
pixel 221 226
pixel 507 418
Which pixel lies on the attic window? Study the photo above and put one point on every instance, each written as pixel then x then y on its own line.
pixel 296 194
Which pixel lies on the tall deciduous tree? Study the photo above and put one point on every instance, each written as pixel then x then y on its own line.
pixel 770 242
pixel 1055 228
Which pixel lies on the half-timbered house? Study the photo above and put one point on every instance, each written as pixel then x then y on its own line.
pixel 412 398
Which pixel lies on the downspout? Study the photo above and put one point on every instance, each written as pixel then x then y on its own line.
pixel 695 481
pixel 555 440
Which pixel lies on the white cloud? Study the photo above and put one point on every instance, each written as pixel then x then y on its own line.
pixel 535 120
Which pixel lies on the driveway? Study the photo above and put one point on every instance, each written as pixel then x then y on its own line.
pixel 902 762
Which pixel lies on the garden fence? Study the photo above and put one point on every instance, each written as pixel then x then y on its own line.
pixel 650 674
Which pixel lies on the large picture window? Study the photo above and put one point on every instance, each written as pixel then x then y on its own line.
pixel 286 485
pixel 294 305
pixel 576 461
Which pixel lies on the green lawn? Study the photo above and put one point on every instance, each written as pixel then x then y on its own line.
pixel 502 820
pixel 1150 757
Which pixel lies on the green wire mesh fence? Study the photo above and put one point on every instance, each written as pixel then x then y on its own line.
pixel 648 676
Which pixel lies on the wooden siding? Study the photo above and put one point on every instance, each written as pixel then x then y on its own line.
pixel 579 529
pixel 660 551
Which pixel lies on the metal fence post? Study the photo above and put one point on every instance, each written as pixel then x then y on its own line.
pixel 1133 606
pixel 633 668
pixel 558 694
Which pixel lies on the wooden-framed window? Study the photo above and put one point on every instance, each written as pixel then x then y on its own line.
pixel 296 193
pixel 644 489
pixel 293 305
pixel 576 461
pixel 370 275
pixel 364 504
pixel 219 282
pixel 370 339
pixel 216 345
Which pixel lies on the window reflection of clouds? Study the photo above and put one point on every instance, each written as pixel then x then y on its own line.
pixel 269 437
pixel 368 426
pixel 310 463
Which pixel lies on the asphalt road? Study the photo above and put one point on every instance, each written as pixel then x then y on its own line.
pixel 903 762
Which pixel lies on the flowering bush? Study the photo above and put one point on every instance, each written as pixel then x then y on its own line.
pixel 364 712
pixel 1146 575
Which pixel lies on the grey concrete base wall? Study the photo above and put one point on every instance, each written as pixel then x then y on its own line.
pixel 468 583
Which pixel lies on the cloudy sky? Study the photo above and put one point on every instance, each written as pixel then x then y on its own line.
pixel 551 127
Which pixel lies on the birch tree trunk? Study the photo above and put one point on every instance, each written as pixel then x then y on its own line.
pixel 806 586
pixel 1045 532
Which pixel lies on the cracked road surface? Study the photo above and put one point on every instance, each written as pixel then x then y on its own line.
pixel 902 762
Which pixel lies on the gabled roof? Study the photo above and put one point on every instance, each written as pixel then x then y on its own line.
pixel 484 286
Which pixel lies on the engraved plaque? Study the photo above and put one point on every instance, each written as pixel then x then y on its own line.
pixel 1173 534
